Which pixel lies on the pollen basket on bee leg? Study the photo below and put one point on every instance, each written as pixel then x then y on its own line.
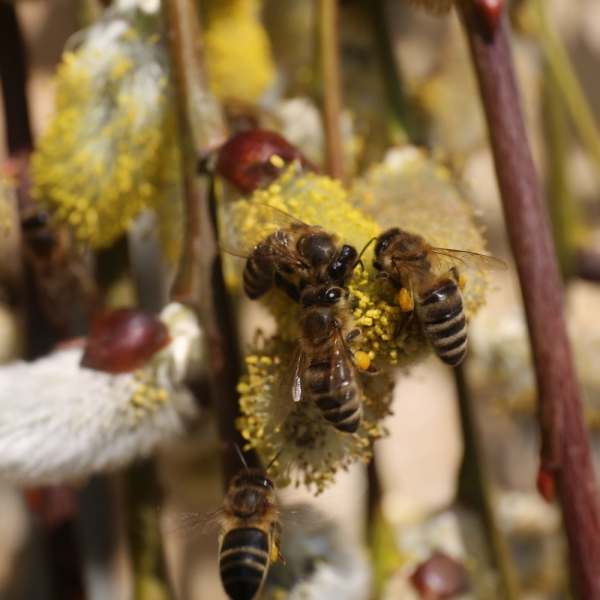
pixel 405 300
pixel 363 362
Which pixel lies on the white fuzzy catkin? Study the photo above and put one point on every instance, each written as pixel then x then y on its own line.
pixel 60 421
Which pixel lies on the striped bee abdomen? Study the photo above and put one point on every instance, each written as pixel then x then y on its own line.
pixel 243 562
pixel 440 310
pixel 259 270
pixel 340 404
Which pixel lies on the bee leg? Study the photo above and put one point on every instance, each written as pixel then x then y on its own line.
pixel 276 548
pixel 458 279
pixel 287 286
pixel 353 334
pixel 401 329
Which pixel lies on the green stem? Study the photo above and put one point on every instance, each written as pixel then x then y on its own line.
pixel 567 83
pixel 564 214
pixel 202 113
pixel 403 121
pixel 475 489
pixel 143 496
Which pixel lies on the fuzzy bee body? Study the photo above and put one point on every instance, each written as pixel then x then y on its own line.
pixel 250 534
pixel 409 262
pixel 58 275
pixel 324 361
pixel 287 247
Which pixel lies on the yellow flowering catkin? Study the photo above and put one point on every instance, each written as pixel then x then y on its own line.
pixel 410 191
pixel 237 49
pixel 314 449
pixel 111 149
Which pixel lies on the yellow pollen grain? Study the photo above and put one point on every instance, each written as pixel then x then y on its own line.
pixel 277 161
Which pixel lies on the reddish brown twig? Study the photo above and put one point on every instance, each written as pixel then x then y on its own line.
pixel 565 444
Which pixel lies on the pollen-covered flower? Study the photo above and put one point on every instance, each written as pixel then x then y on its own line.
pixel 314 449
pixel 415 194
pixel 238 54
pixel 111 149
pixel 409 191
pixel 412 191
pixel 61 421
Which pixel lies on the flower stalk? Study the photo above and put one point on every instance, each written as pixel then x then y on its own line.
pixel 405 129
pixel 329 55
pixel 200 280
pixel 562 72
pixel 565 449
pixel 13 77
pixel 203 114
pixel 564 213
pixel 475 489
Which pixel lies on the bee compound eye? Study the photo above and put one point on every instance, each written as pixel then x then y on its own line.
pixel 333 294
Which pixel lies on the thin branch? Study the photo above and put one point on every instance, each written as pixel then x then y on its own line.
pixel 329 55
pixel 565 443
pixel 13 72
pixel 142 497
pixel 391 71
pixel 202 282
pixel 203 116
pixel 475 488
pixel 567 83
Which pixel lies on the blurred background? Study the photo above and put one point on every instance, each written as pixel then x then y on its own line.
pixel 75 540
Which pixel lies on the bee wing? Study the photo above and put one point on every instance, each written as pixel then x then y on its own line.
pixel 248 223
pixel 342 365
pixel 189 525
pixel 463 259
pixel 290 388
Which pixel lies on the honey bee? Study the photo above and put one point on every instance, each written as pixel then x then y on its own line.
pixel 416 268
pixel 323 359
pixel 288 247
pixel 60 278
pixel 250 536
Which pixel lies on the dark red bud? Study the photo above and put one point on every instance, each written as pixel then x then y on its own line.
pixel 439 577
pixel 122 340
pixel 491 12
pixel 245 160
pixel 545 484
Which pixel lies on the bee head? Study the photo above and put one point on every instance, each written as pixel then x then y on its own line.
pixel 323 295
pixel 343 266
pixel 382 243
pixel 252 477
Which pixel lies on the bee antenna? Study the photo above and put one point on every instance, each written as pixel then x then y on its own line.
pixel 276 457
pixel 363 250
pixel 237 448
